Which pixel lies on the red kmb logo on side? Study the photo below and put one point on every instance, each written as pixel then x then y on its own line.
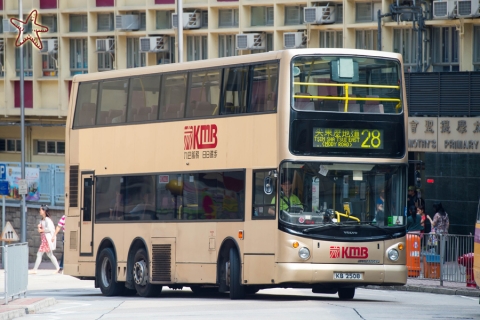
pixel 348 252
pixel 200 137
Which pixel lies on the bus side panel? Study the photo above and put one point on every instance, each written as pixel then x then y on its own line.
pixel 196 273
pixel 258 269
pixel 193 242
pixel 71 246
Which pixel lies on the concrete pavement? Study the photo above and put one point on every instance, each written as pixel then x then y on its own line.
pixel 46 279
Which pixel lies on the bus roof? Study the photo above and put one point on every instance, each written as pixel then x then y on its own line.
pixel 220 62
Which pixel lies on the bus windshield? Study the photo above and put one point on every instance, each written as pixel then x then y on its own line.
pixel 346 84
pixel 314 194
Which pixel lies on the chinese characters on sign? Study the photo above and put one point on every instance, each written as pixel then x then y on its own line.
pixel 453 135
pixel 347 138
pixel 197 139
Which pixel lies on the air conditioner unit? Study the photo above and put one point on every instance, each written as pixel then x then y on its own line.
pixel 8 26
pixel 294 40
pixel 250 41
pixel 105 45
pixel 190 20
pixel 468 8
pixel 154 44
pixel 319 15
pixel 49 46
pixel 127 22
pixel 444 9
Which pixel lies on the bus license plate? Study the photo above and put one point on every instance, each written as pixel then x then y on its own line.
pixel 347 276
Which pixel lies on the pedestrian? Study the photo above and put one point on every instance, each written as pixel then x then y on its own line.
pixel 412 197
pixel 414 221
pixel 60 226
pixel 440 224
pixel 423 218
pixel 46 228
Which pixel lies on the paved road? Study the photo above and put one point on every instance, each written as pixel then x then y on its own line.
pixel 78 299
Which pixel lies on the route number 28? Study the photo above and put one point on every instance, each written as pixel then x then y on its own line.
pixel 373 139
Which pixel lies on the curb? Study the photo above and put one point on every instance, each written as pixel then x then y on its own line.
pixel 427 289
pixel 20 311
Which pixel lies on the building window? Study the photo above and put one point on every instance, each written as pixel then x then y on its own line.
pixel 135 58
pixel 78 56
pixel 10 145
pixel 226 46
pixel 50 147
pixel 476 48
pixel 293 15
pixel 105 22
pixel 78 23
pixel 50 21
pixel 339 13
pixel 2 57
pixel 105 61
pixel 367 12
pixel 228 18
pixel 405 42
pixel 268 44
pixel 143 21
pixel 27 94
pixel 261 16
pixel 168 56
pixel 204 17
pixel 105 3
pixel 164 19
pixel 445 49
pixel 331 39
pixel 164 1
pixel 27 60
pixel 366 39
pixel 49 65
pixel 197 48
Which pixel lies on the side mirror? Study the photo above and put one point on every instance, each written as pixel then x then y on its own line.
pixel 268 185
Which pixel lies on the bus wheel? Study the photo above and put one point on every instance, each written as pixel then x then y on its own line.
pixel 107 273
pixel 141 276
pixel 237 291
pixel 346 293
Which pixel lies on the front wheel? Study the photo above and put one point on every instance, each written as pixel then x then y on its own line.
pixel 237 291
pixel 141 277
pixel 346 293
pixel 107 273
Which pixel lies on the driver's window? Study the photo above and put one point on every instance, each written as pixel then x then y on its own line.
pixel 263 203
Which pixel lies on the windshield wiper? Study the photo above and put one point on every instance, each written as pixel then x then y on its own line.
pixel 332 224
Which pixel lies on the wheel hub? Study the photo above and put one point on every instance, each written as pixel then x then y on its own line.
pixel 140 273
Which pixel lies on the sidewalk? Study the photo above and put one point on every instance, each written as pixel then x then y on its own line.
pixel 433 286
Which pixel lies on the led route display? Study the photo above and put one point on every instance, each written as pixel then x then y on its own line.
pixel 348 138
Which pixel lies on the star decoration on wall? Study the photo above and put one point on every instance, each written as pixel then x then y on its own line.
pixel 37 28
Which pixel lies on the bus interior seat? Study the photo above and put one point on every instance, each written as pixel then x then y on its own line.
pixel 143 114
pixel 173 111
pixel 373 106
pixel 271 103
pixel 330 105
pixel 304 103
pixel 87 114
pixel 102 117
pixel 204 108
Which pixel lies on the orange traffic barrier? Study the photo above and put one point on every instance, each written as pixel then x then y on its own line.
pixel 413 254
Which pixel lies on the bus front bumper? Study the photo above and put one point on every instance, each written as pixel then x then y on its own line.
pixel 315 273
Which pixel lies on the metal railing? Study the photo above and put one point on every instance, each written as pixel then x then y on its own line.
pixel 51 184
pixel 436 257
pixel 15 262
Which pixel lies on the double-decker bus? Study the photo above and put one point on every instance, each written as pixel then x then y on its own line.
pixel 281 169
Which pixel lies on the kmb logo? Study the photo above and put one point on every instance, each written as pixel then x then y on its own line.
pixel 200 137
pixel 349 252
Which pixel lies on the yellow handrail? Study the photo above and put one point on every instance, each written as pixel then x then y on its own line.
pixel 320 84
pixel 339 214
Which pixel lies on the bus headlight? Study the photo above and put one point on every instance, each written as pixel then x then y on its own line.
pixel 393 254
pixel 304 253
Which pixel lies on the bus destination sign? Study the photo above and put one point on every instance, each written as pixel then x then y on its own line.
pixel 348 138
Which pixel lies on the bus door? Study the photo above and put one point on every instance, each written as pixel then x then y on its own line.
pixel 86 217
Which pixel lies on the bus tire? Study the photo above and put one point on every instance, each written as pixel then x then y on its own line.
pixel 237 291
pixel 141 277
pixel 346 293
pixel 107 273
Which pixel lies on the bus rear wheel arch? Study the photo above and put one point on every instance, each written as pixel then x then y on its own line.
pixel 346 293
pixel 141 275
pixel 107 273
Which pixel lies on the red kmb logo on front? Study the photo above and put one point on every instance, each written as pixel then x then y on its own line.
pixel 349 252
pixel 200 137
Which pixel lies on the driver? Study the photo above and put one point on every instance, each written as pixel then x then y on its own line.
pixel 287 199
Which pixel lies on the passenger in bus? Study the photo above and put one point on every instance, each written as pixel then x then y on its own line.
pixel 117 206
pixel 288 200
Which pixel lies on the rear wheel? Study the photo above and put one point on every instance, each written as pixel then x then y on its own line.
pixel 107 273
pixel 141 277
pixel 346 293
pixel 237 291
